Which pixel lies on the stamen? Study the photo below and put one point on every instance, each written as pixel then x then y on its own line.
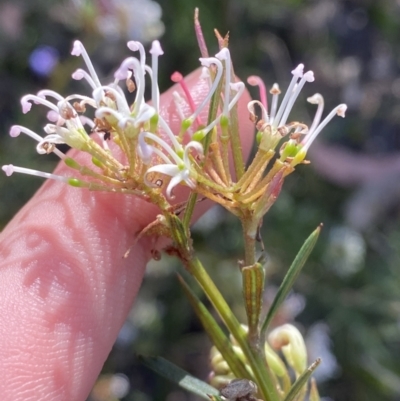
pixel 47 92
pixel 138 71
pixel 146 151
pixel 9 169
pixel 83 100
pixel 161 154
pixel 54 117
pixel 250 108
pixel 155 52
pixel 297 73
pixel 205 74
pixel 137 46
pixel 164 145
pixel 26 105
pixel 79 50
pixel 207 62
pixel 104 112
pixel 310 137
pixel 255 80
pixel 88 121
pixel 67 112
pixel 82 74
pixel 168 131
pixel 307 77
pixel 145 114
pixel 178 100
pixel 225 55
pixel 319 100
pixel 239 88
pixel 275 92
pixel 120 100
pixel 192 145
pixel 76 137
pixel 15 131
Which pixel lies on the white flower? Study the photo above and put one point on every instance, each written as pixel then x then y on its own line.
pixel 177 162
pixel 136 127
pixel 274 124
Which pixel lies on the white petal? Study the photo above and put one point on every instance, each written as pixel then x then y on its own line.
pixel 167 169
pixel 173 183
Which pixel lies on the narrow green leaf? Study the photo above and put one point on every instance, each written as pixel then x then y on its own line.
pixel 291 277
pixel 253 287
pixel 217 336
pixel 301 382
pixel 179 376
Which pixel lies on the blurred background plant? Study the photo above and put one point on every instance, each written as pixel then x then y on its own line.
pixel 347 300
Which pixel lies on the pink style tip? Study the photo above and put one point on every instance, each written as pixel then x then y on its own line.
pixel 14 131
pixel 77 48
pixel 8 169
pixel 176 77
pixel 156 48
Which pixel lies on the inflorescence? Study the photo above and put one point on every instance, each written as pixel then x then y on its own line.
pixel 153 159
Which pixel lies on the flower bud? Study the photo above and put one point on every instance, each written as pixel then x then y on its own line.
pixel 289 339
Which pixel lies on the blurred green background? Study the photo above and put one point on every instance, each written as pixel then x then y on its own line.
pixel 347 302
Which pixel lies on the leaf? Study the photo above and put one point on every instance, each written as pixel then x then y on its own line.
pixel 291 276
pixel 301 381
pixel 217 336
pixel 177 375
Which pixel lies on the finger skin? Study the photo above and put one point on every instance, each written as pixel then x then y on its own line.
pixel 66 288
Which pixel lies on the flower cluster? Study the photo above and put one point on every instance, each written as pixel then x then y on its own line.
pixel 152 159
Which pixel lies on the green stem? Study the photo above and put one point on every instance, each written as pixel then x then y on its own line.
pixel 249 244
pixel 262 375
pixel 187 216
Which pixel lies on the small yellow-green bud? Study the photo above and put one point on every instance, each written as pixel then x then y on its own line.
pixel 289 339
pixel 72 163
pixel 224 122
pixel 290 150
pixel 186 124
pixel 300 156
pixel 198 136
pixel 97 162
pixel 74 182
pixel 259 137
